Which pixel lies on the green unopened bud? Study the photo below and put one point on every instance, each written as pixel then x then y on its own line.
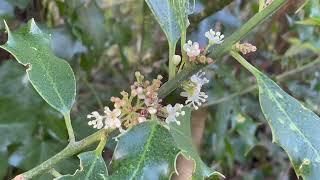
pixel 176 59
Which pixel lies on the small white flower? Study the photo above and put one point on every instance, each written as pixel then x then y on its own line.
pixel 193 90
pixel 112 118
pixel 97 120
pixel 199 79
pixel 195 98
pixel 214 37
pixel 192 49
pixel 173 113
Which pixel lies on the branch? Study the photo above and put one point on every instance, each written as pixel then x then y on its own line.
pixel 278 78
pixel 76 147
pixel 223 49
pixel 72 149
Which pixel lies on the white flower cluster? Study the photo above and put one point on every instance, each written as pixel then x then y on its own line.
pixel 193 48
pixel 110 119
pixel 214 37
pixel 193 93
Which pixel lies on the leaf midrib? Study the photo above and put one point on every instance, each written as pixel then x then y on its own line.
pixel 43 66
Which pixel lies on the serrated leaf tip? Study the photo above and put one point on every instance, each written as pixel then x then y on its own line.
pixel 33 28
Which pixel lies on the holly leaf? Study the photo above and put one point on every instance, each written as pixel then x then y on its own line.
pixel 92 167
pixel 147 151
pixel 165 15
pixel 51 76
pixel 181 9
pixel 182 136
pixel 294 127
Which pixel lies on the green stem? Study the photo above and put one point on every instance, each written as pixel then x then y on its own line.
pixel 72 149
pixel 182 43
pixel 102 144
pixel 244 63
pixel 172 66
pixel 69 127
pixel 223 49
pixel 55 173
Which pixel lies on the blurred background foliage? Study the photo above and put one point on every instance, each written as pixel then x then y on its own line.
pixel 106 41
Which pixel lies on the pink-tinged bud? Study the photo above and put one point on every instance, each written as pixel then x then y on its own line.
pixel 19 177
pixel 210 61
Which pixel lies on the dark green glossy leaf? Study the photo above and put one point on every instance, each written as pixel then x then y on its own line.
pixel 147 151
pixel 165 16
pixel 92 167
pixel 52 77
pixel 183 138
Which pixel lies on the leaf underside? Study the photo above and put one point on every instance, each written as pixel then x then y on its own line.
pixel 147 151
pixel 183 138
pixel 51 76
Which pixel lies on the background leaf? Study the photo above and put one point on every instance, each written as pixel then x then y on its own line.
pixel 182 137
pixel 92 167
pixel 52 77
pixel 147 151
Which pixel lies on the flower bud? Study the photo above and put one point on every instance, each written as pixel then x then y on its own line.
pixel 202 59
pixel 176 59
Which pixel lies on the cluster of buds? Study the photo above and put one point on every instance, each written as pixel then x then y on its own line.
pixel 245 48
pixel 199 55
pixel 131 109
